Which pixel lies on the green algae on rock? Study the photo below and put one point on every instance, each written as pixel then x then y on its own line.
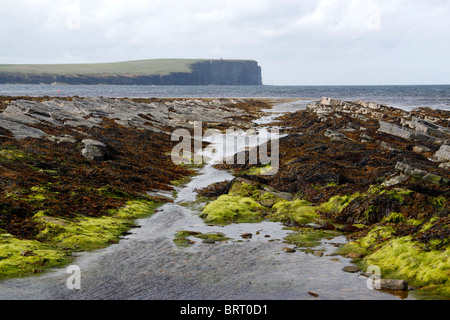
pixel 245 203
pixel 233 209
pixel 182 237
pixel 59 237
pixel 26 257
pixel 53 200
pixel 259 170
pixel 357 163
pixel 300 211
pixel 309 238
pixel 404 258
pixel 88 233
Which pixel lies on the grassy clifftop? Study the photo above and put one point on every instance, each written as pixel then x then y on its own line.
pixel 153 67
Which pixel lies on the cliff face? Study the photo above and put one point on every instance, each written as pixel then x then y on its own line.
pixel 207 72
pixel 222 72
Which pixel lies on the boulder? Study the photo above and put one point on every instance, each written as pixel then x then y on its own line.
pixel 418 173
pixel 433 178
pixel 403 167
pixel 350 269
pixel 421 149
pixel 370 105
pixel 94 150
pixel 395 130
pixel 355 255
pixel 365 137
pixel 421 174
pixel 395 180
pixel 445 165
pixel 390 284
pixel 443 154
pixel 330 102
pixel 63 139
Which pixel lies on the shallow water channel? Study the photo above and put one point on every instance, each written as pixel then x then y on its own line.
pixel 147 264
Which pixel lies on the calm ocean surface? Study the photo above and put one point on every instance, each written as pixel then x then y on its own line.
pixel 406 97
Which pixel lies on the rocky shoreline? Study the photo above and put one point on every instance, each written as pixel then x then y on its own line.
pixel 76 172
pixel 378 174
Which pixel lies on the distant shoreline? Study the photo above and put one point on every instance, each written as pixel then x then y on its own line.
pixel 143 72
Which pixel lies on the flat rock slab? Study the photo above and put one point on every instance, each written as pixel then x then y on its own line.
pixel 21 131
pixel 443 154
pixel 91 111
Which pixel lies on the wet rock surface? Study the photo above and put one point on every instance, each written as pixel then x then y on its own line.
pixel 21 116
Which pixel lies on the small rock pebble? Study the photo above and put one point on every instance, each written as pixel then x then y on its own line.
pixel 314 294
pixel 354 255
pixel 351 269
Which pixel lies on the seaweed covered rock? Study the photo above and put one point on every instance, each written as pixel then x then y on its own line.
pixel 381 170
pixel 233 209
pixel 75 172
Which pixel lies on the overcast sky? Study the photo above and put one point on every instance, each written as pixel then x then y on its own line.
pixel 296 42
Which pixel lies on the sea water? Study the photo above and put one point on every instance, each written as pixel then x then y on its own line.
pixel 406 97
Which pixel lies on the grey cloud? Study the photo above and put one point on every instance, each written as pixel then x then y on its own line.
pixel 295 41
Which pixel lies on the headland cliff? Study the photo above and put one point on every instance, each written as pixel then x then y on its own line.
pixel 143 72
